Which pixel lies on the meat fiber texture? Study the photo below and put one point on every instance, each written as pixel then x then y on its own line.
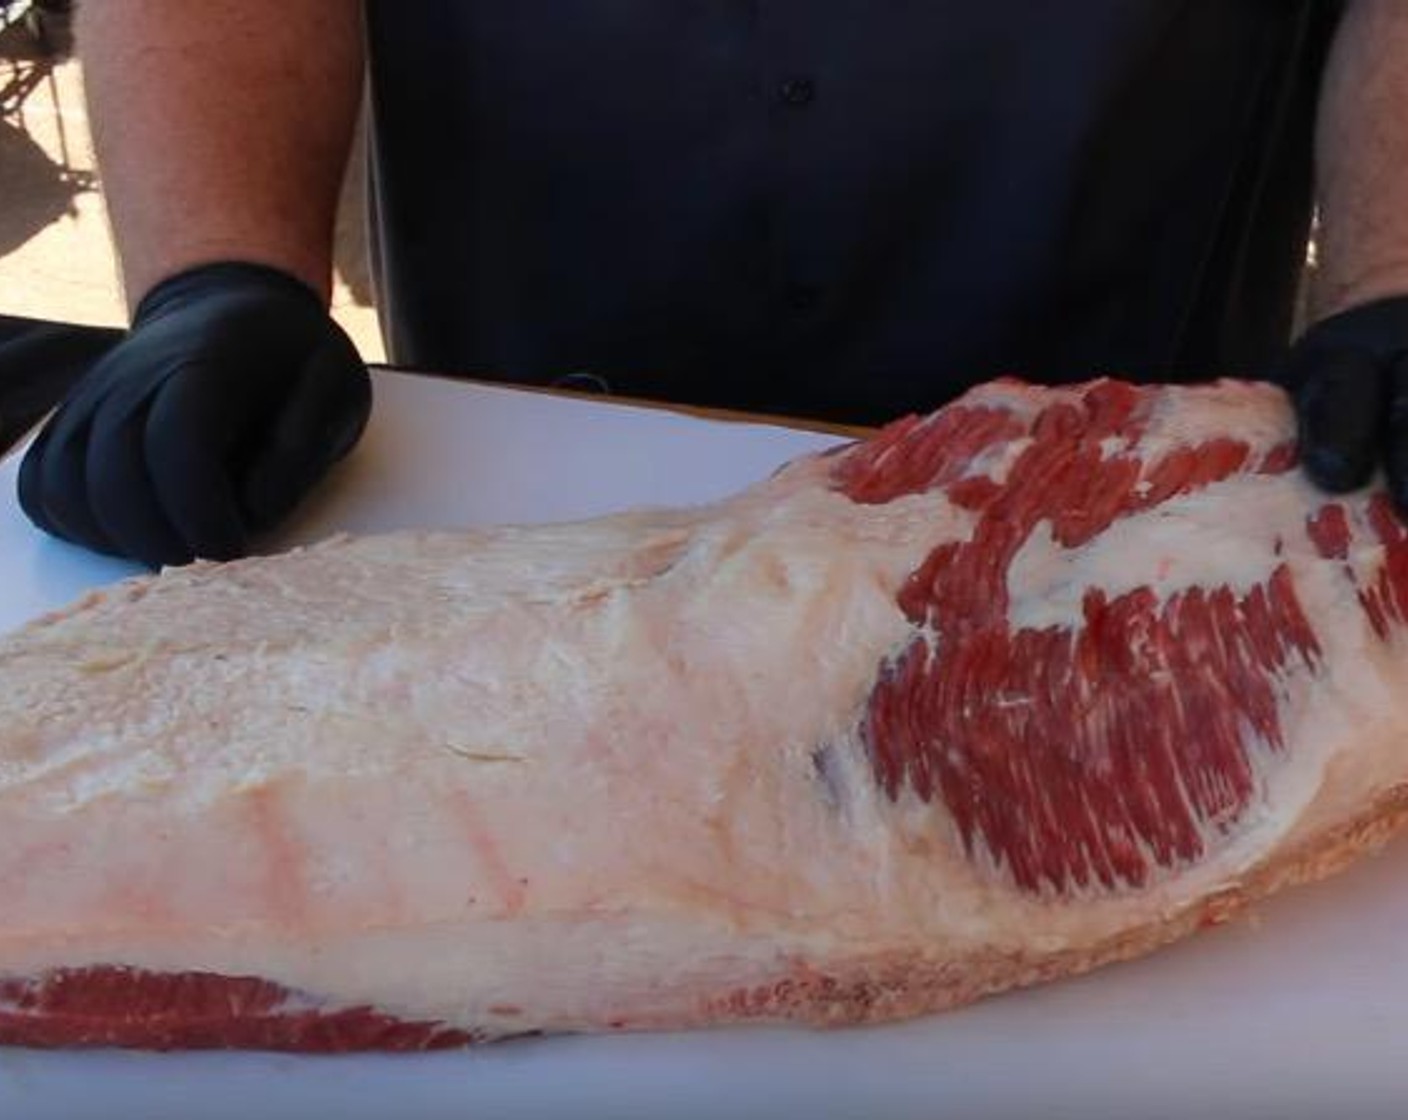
pixel 1046 679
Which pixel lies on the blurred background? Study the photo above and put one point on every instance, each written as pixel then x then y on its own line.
pixel 56 255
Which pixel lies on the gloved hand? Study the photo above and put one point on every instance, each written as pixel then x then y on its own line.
pixel 40 362
pixel 230 397
pixel 1349 378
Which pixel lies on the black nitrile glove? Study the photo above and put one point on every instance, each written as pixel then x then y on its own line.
pixel 40 362
pixel 1349 378
pixel 230 397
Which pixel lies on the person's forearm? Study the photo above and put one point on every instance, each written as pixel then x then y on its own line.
pixel 1362 157
pixel 222 129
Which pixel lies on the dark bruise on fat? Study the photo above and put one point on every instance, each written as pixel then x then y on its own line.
pixel 1085 755
pixel 825 766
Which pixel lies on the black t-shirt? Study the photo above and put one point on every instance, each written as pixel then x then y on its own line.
pixel 841 208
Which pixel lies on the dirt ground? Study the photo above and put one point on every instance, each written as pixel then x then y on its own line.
pixel 56 253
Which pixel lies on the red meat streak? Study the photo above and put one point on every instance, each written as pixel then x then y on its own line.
pixel 1329 532
pixel 1086 754
pixel 1385 600
pixel 120 1007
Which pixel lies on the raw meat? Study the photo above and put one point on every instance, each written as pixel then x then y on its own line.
pixel 1044 680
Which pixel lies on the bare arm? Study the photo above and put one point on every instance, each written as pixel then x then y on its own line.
pixel 1362 155
pixel 222 129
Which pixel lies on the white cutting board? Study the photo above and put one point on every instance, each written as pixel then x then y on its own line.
pixel 1304 1012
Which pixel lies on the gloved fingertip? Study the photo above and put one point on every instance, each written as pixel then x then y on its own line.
pixel 1334 470
pixel 321 423
pixel 1398 495
pixel 120 488
pixel 62 493
pixel 219 549
pixel 1396 435
pixel 188 476
pixel 1340 414
pixel 27 488
pixel 272 489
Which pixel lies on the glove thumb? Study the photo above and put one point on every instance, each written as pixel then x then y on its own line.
pixel 319 423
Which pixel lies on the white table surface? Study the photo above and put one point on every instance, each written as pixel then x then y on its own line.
pixel 1302 1012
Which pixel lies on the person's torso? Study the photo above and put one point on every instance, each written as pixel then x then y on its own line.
pixel 840 208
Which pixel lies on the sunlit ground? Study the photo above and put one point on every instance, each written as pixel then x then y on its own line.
pixel 56 256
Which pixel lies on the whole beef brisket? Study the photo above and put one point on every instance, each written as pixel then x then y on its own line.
pixel 1044 680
